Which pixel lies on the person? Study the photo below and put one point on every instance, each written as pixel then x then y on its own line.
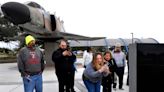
pixel 120 59
pixel 87 56
pixel 94 72
pixel 31 65
pixel 108 80
pixel 64 60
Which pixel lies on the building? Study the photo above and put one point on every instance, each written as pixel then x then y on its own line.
pixel 109 43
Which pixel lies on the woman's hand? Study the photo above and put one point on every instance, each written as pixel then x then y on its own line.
pixel 102 69
pixel 106 69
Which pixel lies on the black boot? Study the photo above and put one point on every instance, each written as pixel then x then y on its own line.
pixel 72 90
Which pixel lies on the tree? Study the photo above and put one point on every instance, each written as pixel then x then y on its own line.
pixel 7 30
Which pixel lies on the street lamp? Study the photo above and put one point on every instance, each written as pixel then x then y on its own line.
pixel 132 38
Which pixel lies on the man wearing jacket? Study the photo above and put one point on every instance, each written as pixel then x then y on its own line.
pixel 31 65
pixel 120 59
pixel 64 60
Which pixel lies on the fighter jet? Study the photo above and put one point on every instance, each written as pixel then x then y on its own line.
pixel 33 19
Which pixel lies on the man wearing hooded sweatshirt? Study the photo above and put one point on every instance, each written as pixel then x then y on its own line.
pixel 31 65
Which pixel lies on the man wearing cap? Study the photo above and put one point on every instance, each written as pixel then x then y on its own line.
pixel 120 59
pixel 31 65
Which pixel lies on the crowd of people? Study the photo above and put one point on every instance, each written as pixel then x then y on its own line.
pixel 104 70
pixel 100 68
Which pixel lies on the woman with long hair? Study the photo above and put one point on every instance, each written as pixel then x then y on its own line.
pixel 94 72
pixel 108 80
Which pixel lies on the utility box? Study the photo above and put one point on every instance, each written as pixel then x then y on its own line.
pixel 146 67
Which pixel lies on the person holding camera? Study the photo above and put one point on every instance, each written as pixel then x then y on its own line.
pixel 108 80
pixel 94 72
pixel 64 60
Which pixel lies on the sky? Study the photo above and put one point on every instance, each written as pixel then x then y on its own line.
pixel 109 18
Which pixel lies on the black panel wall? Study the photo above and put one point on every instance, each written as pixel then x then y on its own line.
pixel 146 67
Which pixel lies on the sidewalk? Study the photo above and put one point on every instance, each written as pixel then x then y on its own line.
pixel 10 80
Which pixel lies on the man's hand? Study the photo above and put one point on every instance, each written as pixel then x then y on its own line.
pixel 67 53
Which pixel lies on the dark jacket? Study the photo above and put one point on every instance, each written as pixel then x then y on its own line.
pixel 112 67
pixel 63 63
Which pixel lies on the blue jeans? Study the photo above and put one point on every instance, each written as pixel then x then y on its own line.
pixel 92 87
pixel 33 82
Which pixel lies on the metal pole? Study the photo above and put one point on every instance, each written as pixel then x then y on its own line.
pixel 132 38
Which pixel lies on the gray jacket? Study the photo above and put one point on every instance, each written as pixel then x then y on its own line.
pixel 30 61
pixel 92 75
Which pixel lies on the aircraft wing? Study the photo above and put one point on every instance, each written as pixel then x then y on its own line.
pixel 63 35
pixel 34 29
pixel 43 34
pixel 70 36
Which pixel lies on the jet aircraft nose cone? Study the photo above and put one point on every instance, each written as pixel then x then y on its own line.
pixel 15 12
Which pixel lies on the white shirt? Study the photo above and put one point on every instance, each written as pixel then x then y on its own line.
pixel 87 56
pixel 119 59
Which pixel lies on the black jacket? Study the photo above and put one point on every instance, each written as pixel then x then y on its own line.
pixel 112 67
pixel 63 63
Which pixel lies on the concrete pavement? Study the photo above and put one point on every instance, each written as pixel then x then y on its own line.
pixel 10 80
